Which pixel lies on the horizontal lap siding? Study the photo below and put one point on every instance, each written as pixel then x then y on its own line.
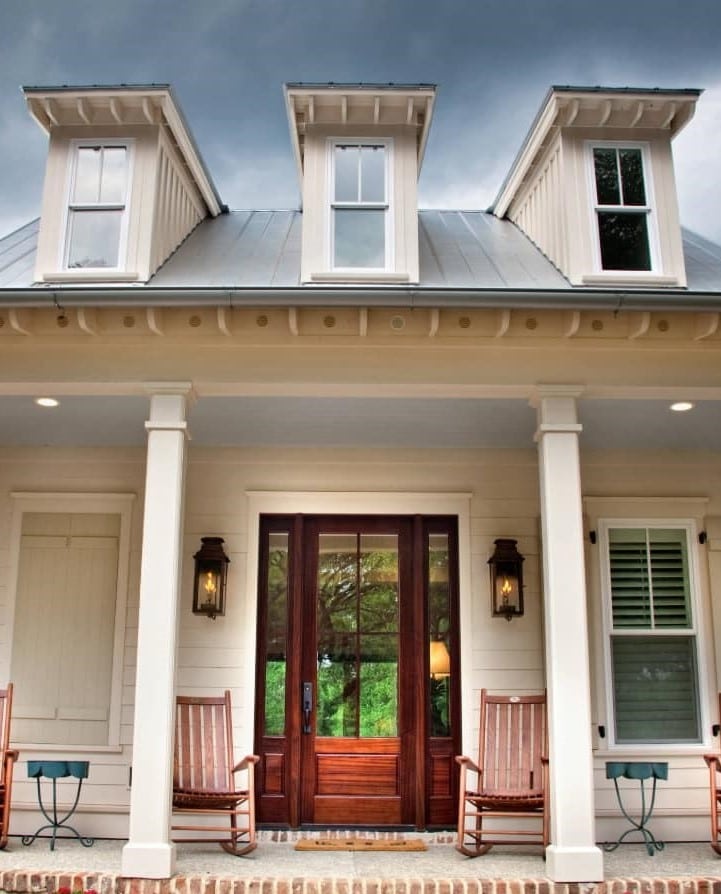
pixel 501 656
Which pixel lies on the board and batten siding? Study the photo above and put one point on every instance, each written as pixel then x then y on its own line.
pixel 213 655
pixel 64 628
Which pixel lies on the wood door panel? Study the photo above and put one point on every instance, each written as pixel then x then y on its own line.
pixel 273 774
pixel 357 774
pixel 334 810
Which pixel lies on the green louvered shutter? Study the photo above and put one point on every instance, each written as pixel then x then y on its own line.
pixel 655 677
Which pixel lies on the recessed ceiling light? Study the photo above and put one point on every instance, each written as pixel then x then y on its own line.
pixel 46 402
pixel 681 406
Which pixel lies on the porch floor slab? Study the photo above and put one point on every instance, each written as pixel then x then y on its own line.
pixel 275 867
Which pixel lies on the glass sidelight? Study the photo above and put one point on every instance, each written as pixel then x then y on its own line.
pixel 275 637
pixel 439 628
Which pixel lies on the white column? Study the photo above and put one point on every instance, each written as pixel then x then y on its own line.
pixel 149 852
pixel 573 855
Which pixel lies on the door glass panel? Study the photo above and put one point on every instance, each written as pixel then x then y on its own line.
pixel 337 702
pixel 276 625
pixel 357 635
pixel 379 685
pixel 439 607
pixel 337 583
pixel 379 583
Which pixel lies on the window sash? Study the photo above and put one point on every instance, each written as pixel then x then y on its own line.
pixel 622 207
pixel 652 642
pixel 359 206
pixel 97 212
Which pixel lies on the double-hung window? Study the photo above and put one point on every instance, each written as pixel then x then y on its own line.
pixel 622 207
pixel 652 645
pixel 359 205
pixel 97 206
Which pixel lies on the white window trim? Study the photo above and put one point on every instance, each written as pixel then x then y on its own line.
pixel 109 503
pixel 649 208
pixel 360 272
pixel 698 630
pixel 64 248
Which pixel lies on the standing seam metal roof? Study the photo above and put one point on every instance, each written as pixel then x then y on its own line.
pixel 458 250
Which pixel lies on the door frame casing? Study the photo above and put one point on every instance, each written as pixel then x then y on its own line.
pixel 367 503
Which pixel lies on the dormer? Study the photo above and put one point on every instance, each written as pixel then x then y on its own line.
pixel 359 150
pixel 124 182
pixel 593 185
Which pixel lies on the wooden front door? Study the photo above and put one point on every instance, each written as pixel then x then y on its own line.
pixel 354 726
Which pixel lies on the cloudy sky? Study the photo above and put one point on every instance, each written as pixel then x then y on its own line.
pixel 493 61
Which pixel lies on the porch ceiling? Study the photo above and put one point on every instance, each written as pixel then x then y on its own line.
pixel 249 421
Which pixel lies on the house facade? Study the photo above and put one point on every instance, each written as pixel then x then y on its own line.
pixel 360 398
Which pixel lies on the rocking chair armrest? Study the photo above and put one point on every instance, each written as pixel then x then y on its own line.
pixel 467 764
pixel 12 754
pixel 713 761
pixel 247 763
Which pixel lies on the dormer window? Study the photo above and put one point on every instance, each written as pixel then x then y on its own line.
pixel 97 206
pixel 622 207
pixel 359 206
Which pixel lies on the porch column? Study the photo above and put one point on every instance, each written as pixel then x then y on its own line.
pixel 149 852
pixel 573 855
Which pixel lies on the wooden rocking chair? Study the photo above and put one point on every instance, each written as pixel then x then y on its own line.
pixel 713 761
pixel 203 775
pixel 8 757
pixel 510 780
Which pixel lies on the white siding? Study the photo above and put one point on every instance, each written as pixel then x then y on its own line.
pixel 214 655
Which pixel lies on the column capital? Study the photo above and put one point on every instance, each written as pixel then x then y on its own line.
pixel 169 404
pixel 540 392
pixel 556 409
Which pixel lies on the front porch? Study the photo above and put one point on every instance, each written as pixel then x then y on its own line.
pixel 276 868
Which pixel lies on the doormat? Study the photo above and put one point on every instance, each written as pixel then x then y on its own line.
pixel 356 843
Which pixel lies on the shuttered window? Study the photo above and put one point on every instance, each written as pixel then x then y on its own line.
pixel 653 642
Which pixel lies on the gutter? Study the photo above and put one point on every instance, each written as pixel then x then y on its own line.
pixel 615 300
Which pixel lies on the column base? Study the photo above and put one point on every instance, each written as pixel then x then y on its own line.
pixel 148 860
pixel 574 864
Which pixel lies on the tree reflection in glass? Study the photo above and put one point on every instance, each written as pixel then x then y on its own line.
pixel 357 630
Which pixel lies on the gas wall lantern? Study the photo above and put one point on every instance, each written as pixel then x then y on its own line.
pixel 506 566
pixel 211 569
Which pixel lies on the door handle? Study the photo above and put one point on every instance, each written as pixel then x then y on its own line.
pixel 307 706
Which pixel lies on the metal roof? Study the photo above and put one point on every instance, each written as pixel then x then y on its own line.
pixel 261 249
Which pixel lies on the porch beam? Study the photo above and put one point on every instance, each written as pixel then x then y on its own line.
pixel 572 856
pixel 149 852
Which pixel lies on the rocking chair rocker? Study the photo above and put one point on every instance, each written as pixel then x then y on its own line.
pixel 203 775
pixel 510 778
pixel 8 757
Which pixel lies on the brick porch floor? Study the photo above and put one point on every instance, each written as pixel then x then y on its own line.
pixel 276 868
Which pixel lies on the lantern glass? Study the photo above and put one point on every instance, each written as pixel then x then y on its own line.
pixel 211 566
pixel 506 566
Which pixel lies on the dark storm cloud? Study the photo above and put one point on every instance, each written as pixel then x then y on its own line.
pixel 492 59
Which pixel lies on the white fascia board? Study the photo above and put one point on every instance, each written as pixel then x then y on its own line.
pixel 187 148
pixel 531 146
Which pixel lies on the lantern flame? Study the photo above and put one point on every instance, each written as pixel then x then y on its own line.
pixel 210 586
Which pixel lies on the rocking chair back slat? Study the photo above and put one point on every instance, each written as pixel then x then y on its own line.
pixel 512 743
pixel 6 698
pixel 204 762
